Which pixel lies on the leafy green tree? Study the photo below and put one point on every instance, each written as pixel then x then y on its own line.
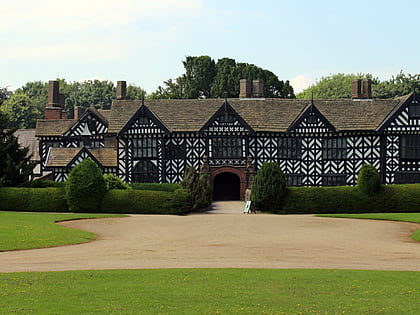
pixel 135 92
pixel 114 182
pixel 335 86
pixel 4 94
pixel 197 185
pixel 172 89
pixel 21 111
pixel 85 187
pixel 15 165
pixel 226 80
pixel 268 188
pixel 199 75
pixel 399 85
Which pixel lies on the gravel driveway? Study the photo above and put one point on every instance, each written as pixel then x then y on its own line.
pixel 225 237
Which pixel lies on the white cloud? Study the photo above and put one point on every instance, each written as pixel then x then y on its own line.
pixel 300 83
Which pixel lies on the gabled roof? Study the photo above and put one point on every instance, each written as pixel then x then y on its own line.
pixel 311 110
pixel 53 127
pixel 261 115
pixel 26 138
pixel 62 157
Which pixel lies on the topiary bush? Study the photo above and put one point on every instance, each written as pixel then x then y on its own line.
pixel 268 188
pixel 114 182
pixel 368 180
pixel 85 187
pixel 197 185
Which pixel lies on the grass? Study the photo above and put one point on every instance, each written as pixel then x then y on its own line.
pixel 405 217
pixel 211 291
pixel 19 230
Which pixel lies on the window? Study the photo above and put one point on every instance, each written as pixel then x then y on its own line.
pixel 289 148
pixel 145 148
pixel 227 148
pixel 410 147
pixel 145 172
pixel 294 179
pixel 333 180
pixel 226 119
pixel 175 151
pixel 414 110
pixel 334 149
pixel 407 178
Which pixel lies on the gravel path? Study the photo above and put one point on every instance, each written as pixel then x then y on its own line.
pixel 225 237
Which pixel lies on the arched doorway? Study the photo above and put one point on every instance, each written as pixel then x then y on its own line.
pixel 226 186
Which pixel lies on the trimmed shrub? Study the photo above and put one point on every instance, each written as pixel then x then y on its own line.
pixel 349 199
pixel 85 187
pixel 33 199
pixel 368 180
pixel 268 188
pixel 146 202
pixel 197 185
pixel 114 182
pixel 155 186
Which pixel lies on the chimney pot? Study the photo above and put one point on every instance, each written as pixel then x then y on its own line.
pixel 357 89
pixel 121 90
pixel 257 88
pixel 367 88
pixel 245 88
pixel 53 94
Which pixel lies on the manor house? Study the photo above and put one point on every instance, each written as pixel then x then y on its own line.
pixel 315 142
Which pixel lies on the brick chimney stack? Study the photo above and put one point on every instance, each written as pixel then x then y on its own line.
pixel 53 109
pixel 121 90
pixel 362 89
pixel 367 88
pixel 357 89
pixel 251 89
pixel 78 111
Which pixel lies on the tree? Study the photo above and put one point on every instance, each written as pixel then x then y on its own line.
pixel 15 165
pixel 268 188
pixel 203 78
pixel 135 92
pixel 85 187
pixel 4 94
pixel 335 86
pixel 21 111
pixel 199 76
pixel 401 84
pixel 196 184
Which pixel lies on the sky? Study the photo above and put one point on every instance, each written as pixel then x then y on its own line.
pixel 144 42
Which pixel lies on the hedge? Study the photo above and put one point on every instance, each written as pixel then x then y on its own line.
pixel 146 202
pixel 349 199
pixel 33 199
pixel 155 186
pixel 115 201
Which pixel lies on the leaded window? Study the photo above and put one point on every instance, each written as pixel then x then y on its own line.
pixel 289 148
pixel 294 179
pixel 175 151
pixel 414 110
pixel 145 148
pixel 334 148
pixel 226 119
pixel 227 148
pixel 410 147
pixel 333 180
pixel 145 172
pixel 407 178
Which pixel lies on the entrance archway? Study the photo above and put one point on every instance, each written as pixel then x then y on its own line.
pixel 227 186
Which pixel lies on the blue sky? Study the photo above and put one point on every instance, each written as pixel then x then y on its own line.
pixel 145 41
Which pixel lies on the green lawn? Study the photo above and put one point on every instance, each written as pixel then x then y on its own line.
pixel 406 217
pixel 211 291
pixel 21 230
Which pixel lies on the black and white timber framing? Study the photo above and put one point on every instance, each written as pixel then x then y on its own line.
pixel 316 143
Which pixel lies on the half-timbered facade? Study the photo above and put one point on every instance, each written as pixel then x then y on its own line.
pixel 315 142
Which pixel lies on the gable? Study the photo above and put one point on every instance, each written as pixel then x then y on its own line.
pixel 87 125
pixel 144 121
pixel 311 121
pixel 406 118
pixel 226 121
